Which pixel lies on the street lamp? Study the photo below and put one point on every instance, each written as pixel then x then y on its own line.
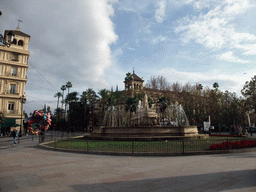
pixel 22 102
pixel 10 36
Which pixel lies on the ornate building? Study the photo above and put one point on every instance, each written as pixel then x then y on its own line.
pixel 134 83
pixel 13 69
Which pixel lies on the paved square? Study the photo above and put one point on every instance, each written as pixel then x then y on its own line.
pixel 28 168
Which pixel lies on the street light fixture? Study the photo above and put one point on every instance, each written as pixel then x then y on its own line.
pixel 10 36
pixel 22 102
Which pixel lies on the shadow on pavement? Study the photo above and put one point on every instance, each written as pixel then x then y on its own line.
pixel 214 182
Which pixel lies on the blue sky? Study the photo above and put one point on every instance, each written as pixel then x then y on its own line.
pixel 94 44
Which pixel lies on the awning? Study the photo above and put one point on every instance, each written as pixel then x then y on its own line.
pixel 10 123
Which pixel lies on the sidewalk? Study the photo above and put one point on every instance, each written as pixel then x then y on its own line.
pixel 28 168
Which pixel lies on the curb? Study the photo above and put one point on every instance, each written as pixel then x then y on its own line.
pixel 210 152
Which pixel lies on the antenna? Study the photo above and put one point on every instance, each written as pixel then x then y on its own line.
pixel 19 21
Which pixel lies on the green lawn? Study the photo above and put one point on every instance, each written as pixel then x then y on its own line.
pixel 141 146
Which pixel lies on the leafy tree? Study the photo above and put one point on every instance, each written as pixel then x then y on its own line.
pixel 249 92
pixel 58 111
pixel 128 77
pixel 159 83
pixel 48 109
pixel 150 102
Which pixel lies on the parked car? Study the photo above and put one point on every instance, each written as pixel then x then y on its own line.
pixel 252 129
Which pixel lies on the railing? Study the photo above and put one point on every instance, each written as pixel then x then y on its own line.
pixel 58 135
pixel 167 147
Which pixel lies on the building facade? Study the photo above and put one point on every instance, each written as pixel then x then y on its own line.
pixel 13 69
pixel 135 83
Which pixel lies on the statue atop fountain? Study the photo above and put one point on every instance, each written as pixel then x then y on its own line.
pixel 145 116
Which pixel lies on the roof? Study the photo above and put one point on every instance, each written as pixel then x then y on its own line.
pixel 16 32
pixel 136 78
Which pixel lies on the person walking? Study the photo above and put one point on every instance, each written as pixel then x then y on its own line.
pixel 14 135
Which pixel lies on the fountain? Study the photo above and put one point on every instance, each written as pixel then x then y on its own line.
pixel 145 124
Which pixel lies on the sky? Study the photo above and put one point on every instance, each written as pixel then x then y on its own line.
pixel 94 43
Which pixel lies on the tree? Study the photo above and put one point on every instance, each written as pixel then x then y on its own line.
pixel 63 88
pixel 159 83
pixel 48 109
pixel 58 94
pixel 68 85
pixel 215 85
pixel 163 104
pixel 128 77
pixel 89 95
pixel 88 98
pixel 72 97
pixel 249 92
pixel 58 112
pixel 131 105
pixel 104 94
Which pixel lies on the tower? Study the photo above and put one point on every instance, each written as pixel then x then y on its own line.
pixel 134 82
pixel 13 69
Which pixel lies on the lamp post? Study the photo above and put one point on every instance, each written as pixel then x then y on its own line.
pixel 10 36
pixel 22 102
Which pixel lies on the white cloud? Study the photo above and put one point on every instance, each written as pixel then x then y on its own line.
pixel 70 41
pixel 227 81
pixel 229 56
pixel 214 29
pixel 160 11
pixel 158 39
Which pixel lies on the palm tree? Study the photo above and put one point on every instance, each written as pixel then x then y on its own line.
pixel 164 103
pixel 131 105
pixel 104 97
pixel 89 97
pixel 72 97
pixel 68 85
pixel 58 95
pixel 215 85
pixel 63 88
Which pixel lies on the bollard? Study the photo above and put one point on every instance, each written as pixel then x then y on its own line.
pixel 183 147
pixel 132 147
pixel 55 139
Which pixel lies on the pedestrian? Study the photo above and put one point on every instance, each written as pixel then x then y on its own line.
pixel 251 130
pixel 14 135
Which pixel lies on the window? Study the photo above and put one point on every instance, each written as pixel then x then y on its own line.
pixel 14 41
pixel 14 71
pixel 12 89
pixel 10 106
pixel 1 69
pixel 20 43
pixel 14 57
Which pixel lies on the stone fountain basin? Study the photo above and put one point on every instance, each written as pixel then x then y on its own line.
pixel 147 133
pixel 155 130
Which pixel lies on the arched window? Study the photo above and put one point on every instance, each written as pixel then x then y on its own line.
pixel 20 43
pixel 14 41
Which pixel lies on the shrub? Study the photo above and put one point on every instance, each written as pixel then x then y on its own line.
pixel 233 145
